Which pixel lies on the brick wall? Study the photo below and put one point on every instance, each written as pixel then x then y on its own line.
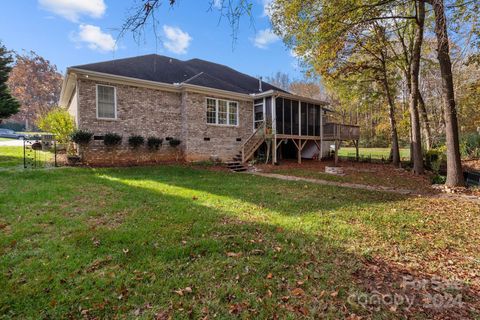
pixel 140 111
pixel 223 139
pixel 150 112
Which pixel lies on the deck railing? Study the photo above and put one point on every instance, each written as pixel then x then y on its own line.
pixel 337 131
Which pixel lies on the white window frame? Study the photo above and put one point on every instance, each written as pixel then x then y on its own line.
pixel 114 99
pixel 263 104
pixel 228 112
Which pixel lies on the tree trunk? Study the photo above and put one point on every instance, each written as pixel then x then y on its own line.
pixel 454 163
pixel 426 121
pixel 414 91
pixel 395 153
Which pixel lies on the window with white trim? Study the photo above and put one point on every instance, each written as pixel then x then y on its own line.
pixel 222 112
pixel 106 102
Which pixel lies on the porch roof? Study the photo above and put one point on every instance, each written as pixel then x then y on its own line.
pixel 292 96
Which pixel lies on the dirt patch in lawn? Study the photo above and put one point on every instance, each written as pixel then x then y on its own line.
pixel 355 172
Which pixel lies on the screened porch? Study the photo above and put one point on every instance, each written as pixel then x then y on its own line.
pixel 294 125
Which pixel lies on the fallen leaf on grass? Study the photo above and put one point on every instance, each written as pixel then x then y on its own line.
pixel 298 292
pixel 182 292
pixel 233 254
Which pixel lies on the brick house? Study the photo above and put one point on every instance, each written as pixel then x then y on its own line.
pixel 215 111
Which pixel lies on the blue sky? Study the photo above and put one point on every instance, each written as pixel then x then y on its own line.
pixel 74 32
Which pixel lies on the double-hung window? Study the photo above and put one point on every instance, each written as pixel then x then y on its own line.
pixel 106 102
pixel 222 112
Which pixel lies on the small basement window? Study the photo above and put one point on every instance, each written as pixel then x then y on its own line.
pixel 106 102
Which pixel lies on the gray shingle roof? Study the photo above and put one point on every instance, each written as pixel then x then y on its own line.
pixel 163 69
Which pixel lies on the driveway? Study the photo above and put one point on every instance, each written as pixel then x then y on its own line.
pixel 11 143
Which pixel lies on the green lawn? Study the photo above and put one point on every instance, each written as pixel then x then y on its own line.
pixel 12 157
pixel 190 243
pixel 374 153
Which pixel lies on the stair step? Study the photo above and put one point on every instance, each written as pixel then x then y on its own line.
pixel 243 169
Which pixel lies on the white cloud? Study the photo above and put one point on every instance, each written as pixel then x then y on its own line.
pixel 264 38
pixel 177 41
pixel 73 9
pixel 218 4
pixel 95 38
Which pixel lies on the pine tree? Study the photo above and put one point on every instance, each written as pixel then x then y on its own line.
pixel 8 104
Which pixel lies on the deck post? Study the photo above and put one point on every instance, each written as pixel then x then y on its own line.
pixel 322 112
pixel 299 147
pixel 357 153
pixel 336 152
pixel 274 149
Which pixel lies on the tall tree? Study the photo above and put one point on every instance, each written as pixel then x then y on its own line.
pixel 414 88
pixel 8 104
pixel 36 83
pixel 454 163
pixel 338 38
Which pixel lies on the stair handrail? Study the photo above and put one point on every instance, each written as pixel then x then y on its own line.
pixel 260 129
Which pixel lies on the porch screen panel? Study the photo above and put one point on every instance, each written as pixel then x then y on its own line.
pixel 279 114
pixel 304 118
pixel 318 114
pixel 268 109
pixel 311 119
pixel 287 116
pixel 295 120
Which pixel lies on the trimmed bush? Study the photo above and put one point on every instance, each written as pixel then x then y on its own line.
pixel 81 137
pixel 136 141
pixel 154 143
pixel 112 139
pixel 174 142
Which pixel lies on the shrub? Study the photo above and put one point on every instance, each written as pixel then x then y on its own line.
pixel 439 179
pixel 154 143
pixel 58 122
pixel 81 137
pixel 435 158
pixel 136 141
pixel 470 145
pixel 112 139
pixel 174 142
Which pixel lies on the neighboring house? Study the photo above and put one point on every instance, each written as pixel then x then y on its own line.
pixel 216 112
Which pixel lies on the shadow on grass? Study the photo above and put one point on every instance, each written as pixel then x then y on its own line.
pixel 181 242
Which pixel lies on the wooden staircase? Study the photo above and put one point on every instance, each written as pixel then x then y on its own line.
pixel 236 164
pixel 248 149
pixel 253 143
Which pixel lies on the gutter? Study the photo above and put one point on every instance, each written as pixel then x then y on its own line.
pixel 177 87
